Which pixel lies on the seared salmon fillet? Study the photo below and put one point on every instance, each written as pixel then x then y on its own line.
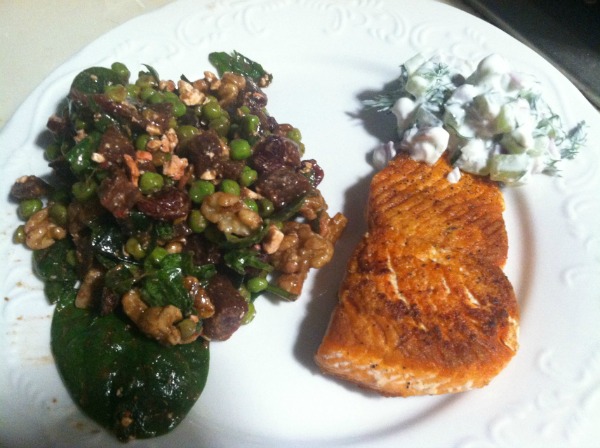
pixel 425 307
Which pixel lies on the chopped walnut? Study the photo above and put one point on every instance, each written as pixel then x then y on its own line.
pixel 212 80
pixel 153 129
pixel 153 144
pixel 230 214
pixel 312 206
pixel 247 193
pixel 168 86
pixel 156 322
pixel 300 250
pixel 175 167
pixel 90 284
pixel 332 228
pixel 41 232
pixel 209 175
pixel 143 156
pixel 272 240
pixel 189 94
pixel 80 135
pixel 231 85
pixel 168 141
pixel 98 158
pixel 134 171
pixel 202 303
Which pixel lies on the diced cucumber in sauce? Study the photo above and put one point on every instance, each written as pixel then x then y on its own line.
pixel 509 168
pixel 492 120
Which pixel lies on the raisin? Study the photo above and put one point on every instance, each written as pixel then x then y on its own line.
pixel 165 205
pixel 113 145
pixel 118 195
pixel 230 308
pixel 275 152
pixel 29 187
pixel 283 186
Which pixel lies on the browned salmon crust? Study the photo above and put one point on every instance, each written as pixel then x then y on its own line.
pixel 425 307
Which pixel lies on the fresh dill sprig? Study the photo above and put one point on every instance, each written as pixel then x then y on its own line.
pixel 574 140
pixel 384 101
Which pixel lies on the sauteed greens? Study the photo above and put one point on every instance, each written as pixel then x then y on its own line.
pixel 171 206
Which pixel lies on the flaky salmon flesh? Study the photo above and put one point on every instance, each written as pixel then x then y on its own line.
pixel 425 307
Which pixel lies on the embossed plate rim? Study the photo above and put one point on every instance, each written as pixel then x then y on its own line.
pixel 546 395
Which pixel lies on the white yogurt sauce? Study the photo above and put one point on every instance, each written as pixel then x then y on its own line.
pixel 492 120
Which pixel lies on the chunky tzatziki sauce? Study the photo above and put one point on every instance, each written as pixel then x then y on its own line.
pixel 493 120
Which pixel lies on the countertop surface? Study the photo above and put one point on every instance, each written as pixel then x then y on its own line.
pixel 37 37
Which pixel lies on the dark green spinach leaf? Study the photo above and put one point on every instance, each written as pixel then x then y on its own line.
pixel 52 267
pixel 240 64
pixel 95 80
pixel 164 286
pixel 123 380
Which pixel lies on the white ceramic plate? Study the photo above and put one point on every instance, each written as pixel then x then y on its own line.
pixel 263 388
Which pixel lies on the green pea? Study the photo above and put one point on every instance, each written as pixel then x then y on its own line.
pixel 248 176
pixel 151 182
pixel 147 92
pixel 60 195
pixel 249 316
pixel 134 248
pixel 116 92
pixel 187 131
pixel 211 110
pixel 121 70
pixel 19 235
pixel 133 90
pixel 250 124
pixel 159 158
pixel 52 151
pixel 197 221
pixel 295 135
pixel 145 80
pixel 72 258
pixel 266 207
pixel 83 190
pixel 157 254
pixel 28 207
pixel 251 204
pixel 240 149
pixel 187 328
pixel 58 214
pixel 230 186
pixel 179 108
pixel 257 284
pixel 245 293
pixel 142 141
pixel 170 96
pixel 199 190
pixel 220 125
pixel 156 98
pixel 80 124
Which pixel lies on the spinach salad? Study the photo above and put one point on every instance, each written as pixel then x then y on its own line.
pixel 171 206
